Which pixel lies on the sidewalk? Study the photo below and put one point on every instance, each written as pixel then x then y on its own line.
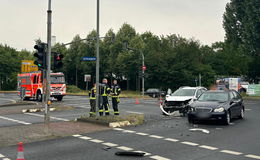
pixel 35 132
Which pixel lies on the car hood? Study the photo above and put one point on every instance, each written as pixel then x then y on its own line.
pixel 178 98
pixel 209 104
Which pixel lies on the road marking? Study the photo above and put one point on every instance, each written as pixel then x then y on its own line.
pixel 208 147
pixel 171 139
pixel 125 148
pixel 155 136
pixel 96 141
pixel 8 100
pixel 110 144
pixel 81 106
pixel 5 159
pixel 118 129
pixel 145 153
pixel 252 156
pixel 85 138
pixel 142 134
pixel 231 152
pixel 159 157
pixel 128 131
pixel 134 112
pixel 2 156
pixel 247 109
pixel 199 129
pixel 76 135
pixel 39 115
pixel 14 120
pixel 190 143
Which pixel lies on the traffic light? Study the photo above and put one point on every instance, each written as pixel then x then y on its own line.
pixel 58 60
pixel 40 55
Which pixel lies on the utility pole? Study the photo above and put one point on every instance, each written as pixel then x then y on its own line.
pixel 48 68
pixel 143 69
pixel 97 61
pixel 199 79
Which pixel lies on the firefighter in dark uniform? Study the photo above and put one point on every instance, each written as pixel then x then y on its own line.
pixel 92 97
pixel 115 91
pixel 104 92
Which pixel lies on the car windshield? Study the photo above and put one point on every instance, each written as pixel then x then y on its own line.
pixel 214 96
pixel 184 92
pixel 57 79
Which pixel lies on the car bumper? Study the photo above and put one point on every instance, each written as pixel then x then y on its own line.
pixel 207 116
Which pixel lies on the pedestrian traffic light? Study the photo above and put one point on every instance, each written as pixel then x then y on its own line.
pixel 40 55
pixel 58 60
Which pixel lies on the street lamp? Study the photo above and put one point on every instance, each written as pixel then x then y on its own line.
pixel 143 66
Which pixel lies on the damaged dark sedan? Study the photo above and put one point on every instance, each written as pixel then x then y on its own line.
pixel 217 105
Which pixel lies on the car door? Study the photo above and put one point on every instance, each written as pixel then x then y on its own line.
pixel 239 101
pixel 233 105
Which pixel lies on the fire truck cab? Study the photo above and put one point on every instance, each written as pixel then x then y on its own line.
pixel 29 85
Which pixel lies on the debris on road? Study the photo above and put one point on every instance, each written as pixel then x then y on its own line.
pixel 106 148
pixel 135 154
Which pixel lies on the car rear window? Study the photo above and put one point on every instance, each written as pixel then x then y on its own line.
pixel 214 96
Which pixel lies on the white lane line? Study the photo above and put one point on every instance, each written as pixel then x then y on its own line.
pixel 155 136
pixel 231 152
pixel 156 157
pixel 208 147
pixel 134 112
pixel 171 139
pixel 110 144
pixel 96 141
pixel 142 134
pixel 190 143
pixel 39 115
pixel 76 135
pixel 8 100
pixel 85 138
pixel 5 159
pixel 129 131
pixel 81 106
pixel 252 156
pixel 2 156
pixel 14 120
pixel 247 109
pixel 125 148
pixel 118 129
pixel 145 153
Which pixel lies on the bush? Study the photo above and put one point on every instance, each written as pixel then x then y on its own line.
pixel 73 89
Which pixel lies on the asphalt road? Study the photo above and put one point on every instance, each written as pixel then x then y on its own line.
pixel 161 137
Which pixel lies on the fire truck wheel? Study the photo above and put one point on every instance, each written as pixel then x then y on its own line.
pixel 59 98
pixel 39 96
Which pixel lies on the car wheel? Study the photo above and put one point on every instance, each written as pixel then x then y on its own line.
pixel 190 120
pixel 241 116
pixel 39 96
pixel 227 118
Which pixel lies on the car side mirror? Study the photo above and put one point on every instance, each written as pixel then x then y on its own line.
pixel 232 101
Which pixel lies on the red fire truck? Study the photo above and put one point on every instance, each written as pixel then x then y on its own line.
pixel 30 85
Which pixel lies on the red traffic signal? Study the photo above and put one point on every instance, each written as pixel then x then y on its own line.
pixel 143 68
pixel 58 60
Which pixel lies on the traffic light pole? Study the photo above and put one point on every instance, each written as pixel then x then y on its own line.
pixel 48 68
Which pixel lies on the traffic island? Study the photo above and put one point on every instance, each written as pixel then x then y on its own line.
pixel 115 121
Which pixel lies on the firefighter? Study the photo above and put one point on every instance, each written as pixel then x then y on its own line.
pixel 115 91
pixel 92 97
pixel 104 92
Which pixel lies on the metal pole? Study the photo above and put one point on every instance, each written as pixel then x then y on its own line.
pixel 48 69
pixel 97 62
pixel 199 79
pixel 142 73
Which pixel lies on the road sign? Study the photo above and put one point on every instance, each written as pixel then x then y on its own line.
pixel 87 78
pixel 144 68
pixel 89 58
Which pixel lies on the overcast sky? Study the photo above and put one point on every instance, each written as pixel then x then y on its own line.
pixel 23 21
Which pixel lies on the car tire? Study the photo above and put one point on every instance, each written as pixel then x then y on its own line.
pixel 190 120
pixel 227 118
pixel 241 116
pixel 59 98
pixel 39 96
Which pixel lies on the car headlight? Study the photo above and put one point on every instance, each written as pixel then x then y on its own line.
pixel 192 109
pixel 221 109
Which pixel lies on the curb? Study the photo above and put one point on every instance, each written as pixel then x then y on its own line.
pixel 109 124
pixel 19 104
pixel 33 110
